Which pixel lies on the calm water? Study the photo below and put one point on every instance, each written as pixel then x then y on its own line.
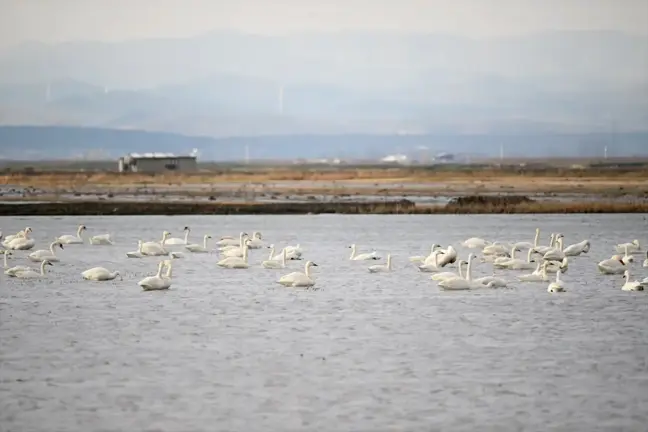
pixel 233 350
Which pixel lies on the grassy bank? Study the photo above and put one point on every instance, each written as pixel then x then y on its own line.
pixel 498 206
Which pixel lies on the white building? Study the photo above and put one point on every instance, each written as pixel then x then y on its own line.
pixel 157 162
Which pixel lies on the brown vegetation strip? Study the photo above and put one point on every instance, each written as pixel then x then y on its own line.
pixel 398 207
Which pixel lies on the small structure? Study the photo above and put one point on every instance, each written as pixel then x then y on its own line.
pixel 157 162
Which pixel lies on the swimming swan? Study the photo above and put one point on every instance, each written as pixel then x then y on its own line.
pixel 156 282
pixel 633 247
pixel 22 241
pixel 299 279
pixel 538 275
pixel 256 241
pixel 235 262
pixel 138 253
pixel 450 275
pixel 362 257
pixel 294 252
pixel 516 263
pixel 541 250
pixel 15 269
pixel 377 268
pixel 466 283
pixel 271 263
pixel 20 234
pixel 555 254
pixel 448 256
pixel 496 248
pixel 156 248
pixel 431 266
pixel 577 248
pixel 101 240
pixel 30 273
pixel 527 245
pixel 100 274
pixel 180 241
pixel 230 241
pixel 196 248
pixel 420 258
pixel 631 285
pixel 612 266
pixel 557 285
pixel 42 254
pixel 554 266
pixel 70 239
pixel 475 243
pixel 236 251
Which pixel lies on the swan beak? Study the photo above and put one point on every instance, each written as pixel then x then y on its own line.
pixel 314 265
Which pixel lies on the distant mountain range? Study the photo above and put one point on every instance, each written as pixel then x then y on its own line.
pixel 229 84
pixel 64 142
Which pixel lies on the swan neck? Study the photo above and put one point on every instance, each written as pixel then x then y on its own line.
pixel 283 257
pixel 204 241
pixel 513 252
pixel 307 270
pixel 52 247
pixel 529 255
pixel 160 267
pixel 42 268
pixel 536 239
pixel 469 269
pixel 187 237
pixel 353 251
pixel 5 260
pixel 461 271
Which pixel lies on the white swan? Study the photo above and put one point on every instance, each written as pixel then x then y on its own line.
pixel 430 266
pixel 633 247
pixel 101 240
pixel 377 268
pixel 256 241
pixel 70 239
pixel 22 241
pixel 612 266
pixel 180 241
pixel 30 273
pixel 271 263
pixel 538 275
pixel 450 275
pixel 554 266
pixel 156 248
pixel 506 258
pixel 15 269
pixel 626 258
pixel 196 248
pixel 496 248
pixel 299 279
pixel 527 245
pixel 138 253
pixel 445 257
pixel 541 250
pixel 557 285
pixel 421 258
pixel 294 252
pixel 235 262
pixel 20 234
pixel 475 243
pixel 100 274
pixel 467 283
pixel 577 248
pixel 555 254
pixel 230 241
pixel 516 263
pixel 49 255
pixel 631 285
pixel 362 257
pixel 156 282
pixel 491 281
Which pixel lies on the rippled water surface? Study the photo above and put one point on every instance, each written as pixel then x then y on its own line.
pixel 233 350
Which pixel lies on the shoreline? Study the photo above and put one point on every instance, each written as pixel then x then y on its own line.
pixel 464 205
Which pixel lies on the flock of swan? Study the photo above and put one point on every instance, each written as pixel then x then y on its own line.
pixel 541 260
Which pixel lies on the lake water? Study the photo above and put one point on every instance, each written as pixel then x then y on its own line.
pixel 233 350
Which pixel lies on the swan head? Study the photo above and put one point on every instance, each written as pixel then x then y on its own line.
pixel 311 264
pixel 47 263
pixel 6 252
pixel 635 242
pixel 257 235
pixel 270 246
pixel 351 246
pixel 626 274
pixel 207 236
pixel 186 229
pixel 28 230
pixel 166 234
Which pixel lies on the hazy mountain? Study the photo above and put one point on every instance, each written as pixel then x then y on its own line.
pixel 229 84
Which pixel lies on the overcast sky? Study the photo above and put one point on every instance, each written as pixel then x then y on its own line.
pixel 61 20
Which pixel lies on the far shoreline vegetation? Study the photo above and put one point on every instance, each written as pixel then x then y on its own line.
pixel 514 187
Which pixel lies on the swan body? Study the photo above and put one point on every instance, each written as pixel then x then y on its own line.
pixel 462 284
pixel 612 266
pixel 20 234
pixel 22 242
pixel 557 285
pixel 475 243
pixel 196 248
pixel 15 269
pixel 179 241
pixel 31 273
pixel 231 241
pixel 631 285
pixel 256 241
pixel 527 245
pixel 49 255
pixel 362 257
pixel 632 247
pixel 430 267
pixel 138 253
pixel 421 258
pixel 445 257
pixel 538 275
pixel 577 248
pixel 492 281
pixel 70 239
pixel 271 263
pixel 449 275
pixel 156 282
pixel 101 240
pixel 100 274
pixel 382 268
pixel 541 250
pixel 236 251
pixel 293 252
pixel 516 263
pixel 155 248
pixel 555 254
pixel 299 279
pixel 554 266
pixel 495 249
pixel 235 262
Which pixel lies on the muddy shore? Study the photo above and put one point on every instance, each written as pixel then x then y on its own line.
pixel 465 205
